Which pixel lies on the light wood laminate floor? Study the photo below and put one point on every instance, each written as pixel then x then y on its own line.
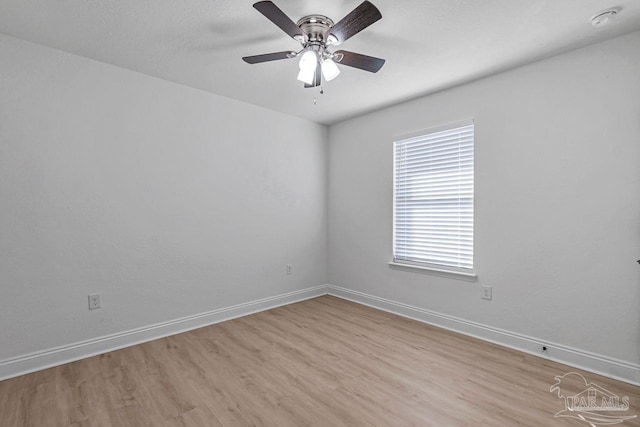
pixel 321 362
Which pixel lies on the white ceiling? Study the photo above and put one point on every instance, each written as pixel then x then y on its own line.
pixel 429 45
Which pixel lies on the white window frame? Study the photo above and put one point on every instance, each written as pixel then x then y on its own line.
pixel 437 268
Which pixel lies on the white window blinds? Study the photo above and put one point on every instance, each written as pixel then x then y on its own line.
pixel 433 199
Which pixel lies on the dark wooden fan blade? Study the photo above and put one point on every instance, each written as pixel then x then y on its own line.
pixel 256 59
pixel 278 17
pixel 357 60
pixel 359 19
pixel 317 77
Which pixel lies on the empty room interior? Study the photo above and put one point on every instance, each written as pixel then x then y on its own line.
pixel 320 213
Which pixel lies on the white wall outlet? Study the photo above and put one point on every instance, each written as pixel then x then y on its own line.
pixel 486 292
pixel 289 269
pixel 94 301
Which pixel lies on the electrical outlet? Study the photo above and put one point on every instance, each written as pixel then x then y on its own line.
pixel 486 292
pixel 289 269
pixel 94 301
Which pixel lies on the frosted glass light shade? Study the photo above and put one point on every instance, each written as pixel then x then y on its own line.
pixel 308 64
pixel 308 60
pixel 329 69
pixel 307 75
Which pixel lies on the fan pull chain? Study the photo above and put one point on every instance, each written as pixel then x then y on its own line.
pixel 315 99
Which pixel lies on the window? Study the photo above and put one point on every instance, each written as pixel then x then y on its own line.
pixel 433 199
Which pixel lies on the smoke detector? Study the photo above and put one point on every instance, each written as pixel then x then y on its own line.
pixel 605 17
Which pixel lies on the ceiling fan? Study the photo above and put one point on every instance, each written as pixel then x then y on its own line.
pixel 316 33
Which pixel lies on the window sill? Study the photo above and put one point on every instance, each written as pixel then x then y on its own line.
pixel 469 277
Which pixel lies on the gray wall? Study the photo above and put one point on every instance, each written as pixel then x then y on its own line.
pixel 171 201
pixel 557 219
pixel 167 200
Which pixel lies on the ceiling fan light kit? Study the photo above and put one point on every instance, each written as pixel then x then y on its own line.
pixel 316 33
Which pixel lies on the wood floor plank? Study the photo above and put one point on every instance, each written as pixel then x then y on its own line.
pixel 321 362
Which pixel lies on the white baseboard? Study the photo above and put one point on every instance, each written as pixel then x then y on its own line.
pixel 21 365
pixel 618 369
pixel 621 370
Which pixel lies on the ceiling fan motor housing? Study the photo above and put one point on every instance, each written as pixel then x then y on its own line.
pixel 315 29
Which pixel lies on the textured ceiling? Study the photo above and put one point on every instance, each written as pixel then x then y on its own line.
pixel 429 45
